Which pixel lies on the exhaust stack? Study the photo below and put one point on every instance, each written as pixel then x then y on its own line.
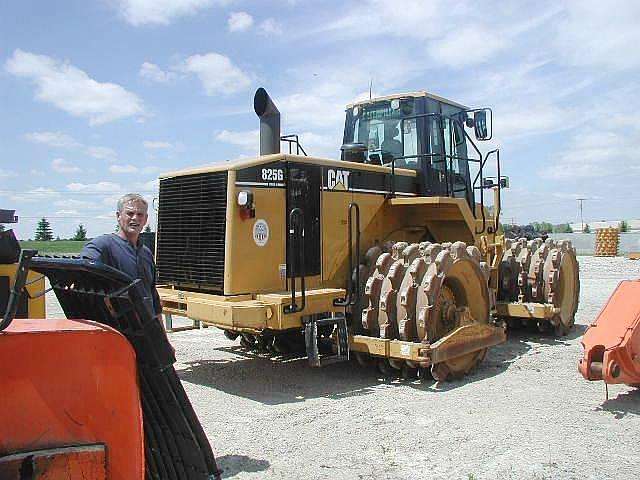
pixel 269 122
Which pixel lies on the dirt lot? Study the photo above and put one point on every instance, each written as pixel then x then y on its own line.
pixel 525 413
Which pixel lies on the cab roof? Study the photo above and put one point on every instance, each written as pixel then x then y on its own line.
pixel 421 93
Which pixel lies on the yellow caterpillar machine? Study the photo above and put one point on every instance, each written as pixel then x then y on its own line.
pixel 390 254
pixel 31 305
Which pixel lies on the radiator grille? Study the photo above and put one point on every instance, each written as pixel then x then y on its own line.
pixel 191 228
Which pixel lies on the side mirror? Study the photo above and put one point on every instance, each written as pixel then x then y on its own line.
pixel 482 120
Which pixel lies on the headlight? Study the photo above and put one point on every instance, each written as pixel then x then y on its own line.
pixel 245 198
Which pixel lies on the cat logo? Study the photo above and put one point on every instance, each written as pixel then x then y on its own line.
pixel 338 179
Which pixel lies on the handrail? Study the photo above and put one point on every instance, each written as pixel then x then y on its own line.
pixel 449 184
pixel 293 139
pixel 447 160
pixel 482 187
pixel 353 291
pixel 296 234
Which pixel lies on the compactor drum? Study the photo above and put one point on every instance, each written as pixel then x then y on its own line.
pixel 542 273
pixel 389 254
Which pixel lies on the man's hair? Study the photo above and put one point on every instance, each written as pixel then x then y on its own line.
pixel 131 197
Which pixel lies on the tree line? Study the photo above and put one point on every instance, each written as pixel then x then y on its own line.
pixel 546 227
pixel 44 232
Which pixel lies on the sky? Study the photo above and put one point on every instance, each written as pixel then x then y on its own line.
pixel 99 97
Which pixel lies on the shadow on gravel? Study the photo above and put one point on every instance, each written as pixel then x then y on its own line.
pixel 289 379
pixel 231 465
pixel 626 403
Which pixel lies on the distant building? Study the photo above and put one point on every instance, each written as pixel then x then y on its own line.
pixel 634 225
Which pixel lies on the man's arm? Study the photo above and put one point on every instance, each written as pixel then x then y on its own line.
pixel 93 249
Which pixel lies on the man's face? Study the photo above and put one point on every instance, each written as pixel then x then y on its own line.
pixel 133 218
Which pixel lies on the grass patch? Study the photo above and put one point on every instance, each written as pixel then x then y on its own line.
pixel 54 247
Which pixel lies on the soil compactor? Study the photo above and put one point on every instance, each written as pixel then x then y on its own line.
pixel 390 254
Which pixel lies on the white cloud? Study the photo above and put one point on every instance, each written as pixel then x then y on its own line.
pixel 52 139
pixel 159 12
pixel 123 168
pixel 6 173
pixel 270 27
pixel 596 154
pixel 94 187
pixel 103 153
pixel 314 144
pixel 156 145
pixel 36 172
pixel 415 18
pixel 62 140
pixel 318 145
pixel 219 76
pixel 601 34
pixel 453 49
pixel 61 165
pixel 152 72
pixel 72 90
pixel 150 186
pixel 247 140
pixel 76 204
pixel 67 212
pixel 39 194
pixel 239 21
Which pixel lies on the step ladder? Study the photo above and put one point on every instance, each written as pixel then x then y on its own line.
pixel 311 340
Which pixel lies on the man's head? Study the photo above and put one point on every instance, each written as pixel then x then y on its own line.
pixel 132 215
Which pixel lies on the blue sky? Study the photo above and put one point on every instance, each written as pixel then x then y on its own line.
pixel 98 97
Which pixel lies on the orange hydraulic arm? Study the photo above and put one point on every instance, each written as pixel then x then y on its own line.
pixel 612 342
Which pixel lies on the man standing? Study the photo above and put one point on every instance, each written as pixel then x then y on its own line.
pixel 124 250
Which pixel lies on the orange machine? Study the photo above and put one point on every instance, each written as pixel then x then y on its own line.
pixel 70 404
pixel 612 343
pixel 94 399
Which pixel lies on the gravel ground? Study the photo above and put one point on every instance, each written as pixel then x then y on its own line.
pixel 525 413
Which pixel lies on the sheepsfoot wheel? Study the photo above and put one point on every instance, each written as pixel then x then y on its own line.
pixel 453 293
pixel 562 285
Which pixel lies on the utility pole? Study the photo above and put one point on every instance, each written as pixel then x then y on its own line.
pixel 580 200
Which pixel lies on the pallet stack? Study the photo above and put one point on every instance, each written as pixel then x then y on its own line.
pixel 607 240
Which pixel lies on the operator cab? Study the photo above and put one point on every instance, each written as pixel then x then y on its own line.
pixel 416 131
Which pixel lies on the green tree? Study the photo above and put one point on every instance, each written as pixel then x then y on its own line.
pixel 586 228
pixel 562 228
pixel 542 227
pixel 81 233
pixel 43 231
pixel 147 229
pixel 624 226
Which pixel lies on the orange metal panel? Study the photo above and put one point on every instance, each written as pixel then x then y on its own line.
pixel 71 382
pixel 612 342
pixel 69 463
